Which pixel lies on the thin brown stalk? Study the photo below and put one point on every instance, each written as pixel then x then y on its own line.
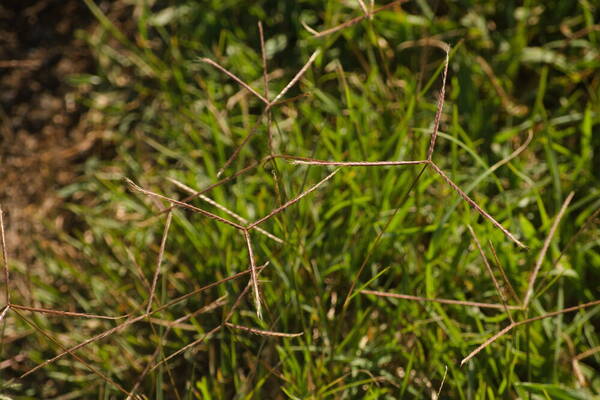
pixel 302 161
pixel 309 29
pixel 442 383
pixel 363 7
pixel 262 332
pixel 440 106
pixel 266 112
pixel 235 78
pixel 214 185
pixel 587 353
pixel 432 41
pixel 356 20
pixel 272 370
pixel 292 201
pixel 213 305
pixel 263 53
pixel 243 93
pixel 566 30
pixel 187 347
pixel 514 154
pixel 137 319
pixel 137 188
pixel 589 221
pixel 489 269
pixel 574 361
pixel 175 324
pixel 4 311
pixel 269 104
pixel 64 313
pixel 238 149
pixel 295 79
pixel 526 321
pixel 215 329
pixel 138 269
pixel 224 209
pixel 238 301
pixel 4 258
pixel 475 205
pixel 72 354
pixel 436 300
pixel 161 253
pixel 204 288
pixel 504 276
pixel 13 364
pixel 85 343
pixel 289 100
pixel 172 324
pixel 584 31
pixel 545 247
pixel 253 274
pixel 487 343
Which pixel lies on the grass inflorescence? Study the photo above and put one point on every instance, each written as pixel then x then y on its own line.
pixel 308 200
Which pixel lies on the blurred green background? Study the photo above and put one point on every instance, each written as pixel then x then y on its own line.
pixel 371 94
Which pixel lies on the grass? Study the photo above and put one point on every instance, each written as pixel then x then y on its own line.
pixel 518 134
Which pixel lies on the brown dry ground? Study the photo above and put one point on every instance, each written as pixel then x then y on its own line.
pixel 44 133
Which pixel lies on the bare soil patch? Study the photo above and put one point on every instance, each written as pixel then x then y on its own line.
pixel 43 129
